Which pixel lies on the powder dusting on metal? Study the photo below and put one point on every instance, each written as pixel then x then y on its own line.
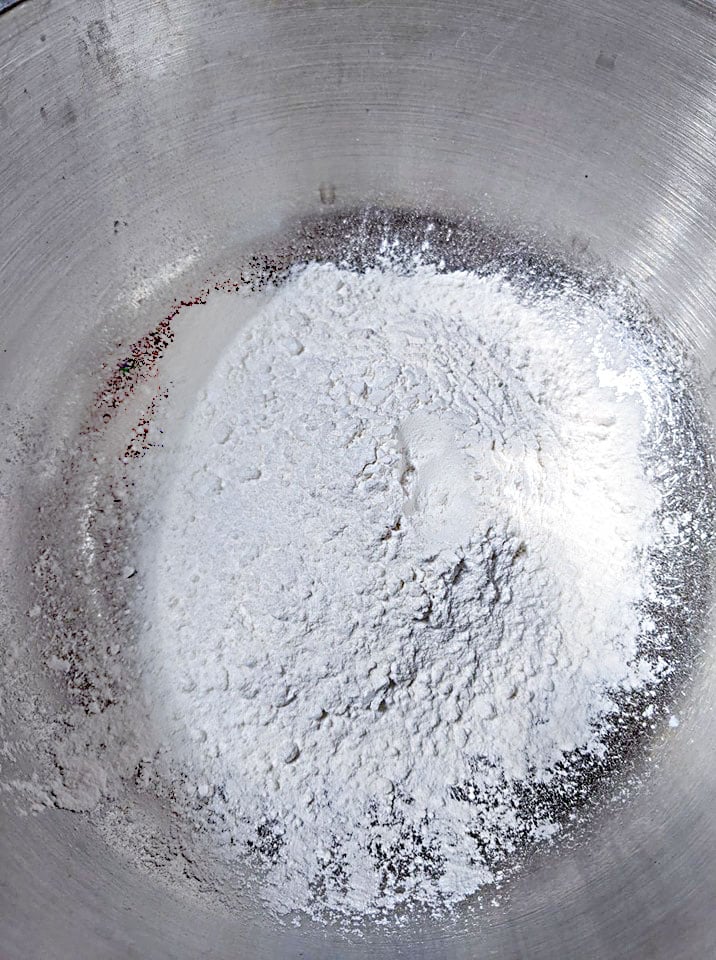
pixel 382 586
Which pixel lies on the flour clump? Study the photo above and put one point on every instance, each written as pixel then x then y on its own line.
pixel 398 578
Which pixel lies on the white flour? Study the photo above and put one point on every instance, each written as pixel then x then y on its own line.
pixel 399 572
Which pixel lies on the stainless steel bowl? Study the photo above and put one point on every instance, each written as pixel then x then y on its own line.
pixel 142 142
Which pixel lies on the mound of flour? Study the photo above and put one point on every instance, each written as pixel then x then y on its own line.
pixel 398 578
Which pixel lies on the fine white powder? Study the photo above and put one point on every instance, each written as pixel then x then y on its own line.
pixel 399 574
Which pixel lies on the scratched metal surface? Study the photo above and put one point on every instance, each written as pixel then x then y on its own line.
pixel 142 140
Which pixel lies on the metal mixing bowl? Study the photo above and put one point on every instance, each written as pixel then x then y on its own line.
pixel 142 141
